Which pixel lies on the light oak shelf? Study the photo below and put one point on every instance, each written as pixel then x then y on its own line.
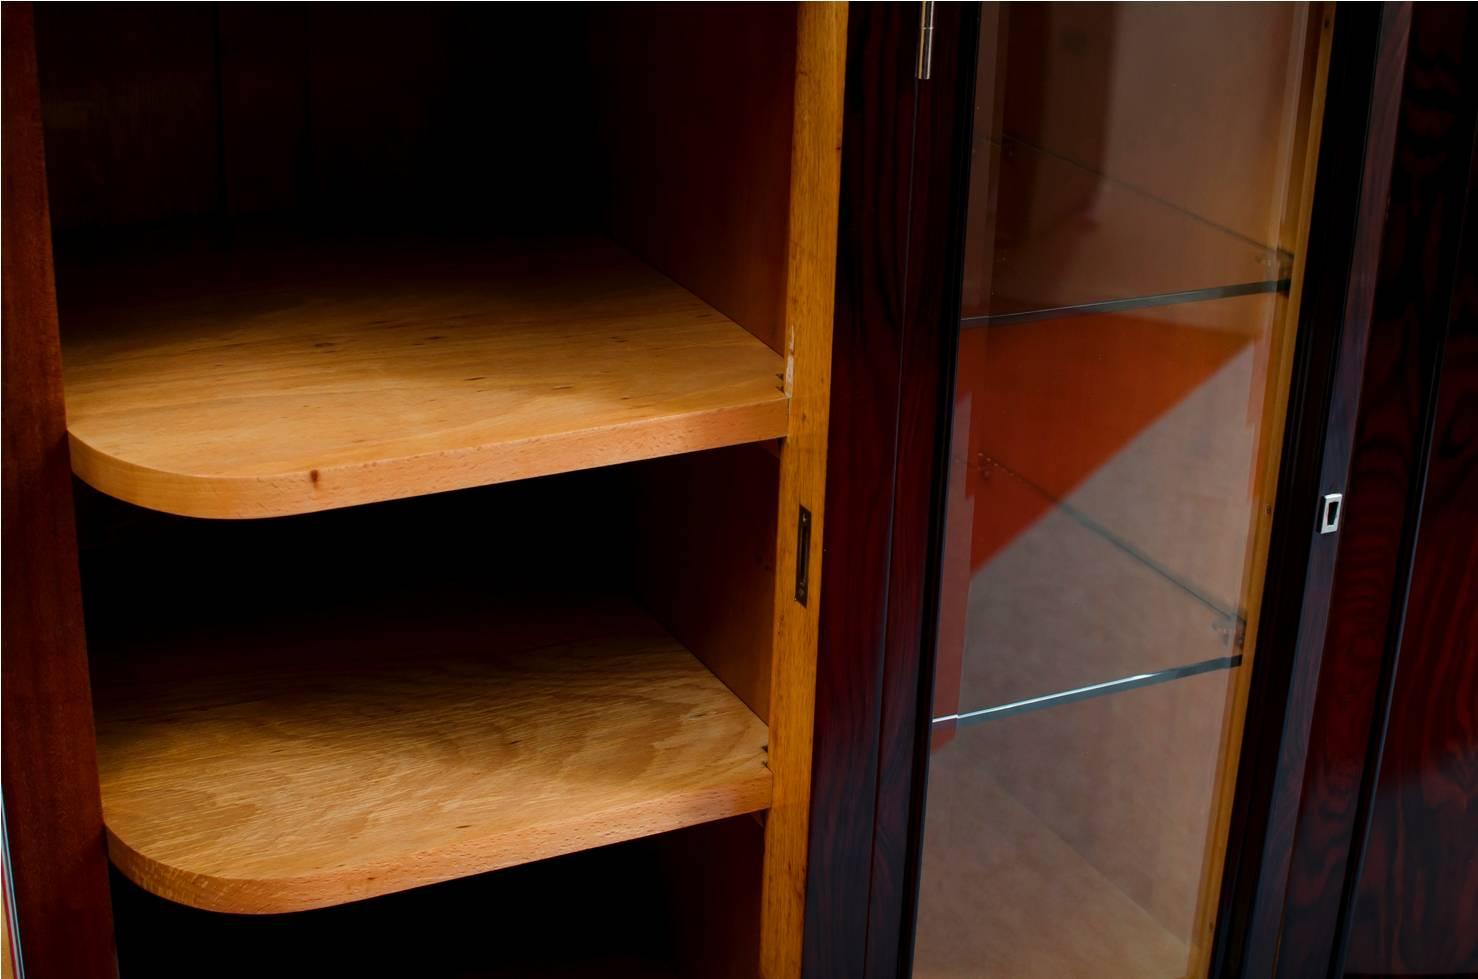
pixel 285 377
pixel 325 757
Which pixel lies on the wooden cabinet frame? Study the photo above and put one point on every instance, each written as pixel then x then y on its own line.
pixel 878 183
pixel 53 813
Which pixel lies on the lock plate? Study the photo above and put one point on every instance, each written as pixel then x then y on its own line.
pixel 1329 512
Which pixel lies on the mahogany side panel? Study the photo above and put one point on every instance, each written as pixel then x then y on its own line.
pixel 1415 909
pixel 862 458
pixel 1352 183
pixel 53 813
pixel 1384 490
pixel 905 174
pixel 940 195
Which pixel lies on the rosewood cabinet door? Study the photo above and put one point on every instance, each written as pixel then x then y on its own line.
pixel 1135 241
pixel 1102 306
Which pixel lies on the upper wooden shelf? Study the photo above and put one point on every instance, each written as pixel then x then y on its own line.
pixel 279 378
pixel 323 758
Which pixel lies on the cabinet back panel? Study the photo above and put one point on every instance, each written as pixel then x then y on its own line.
pixel 669 127
pixel 359 114
pixel 690 537
pixel 707 565
pixel 696 115
pixel 139 566
pixel 131 110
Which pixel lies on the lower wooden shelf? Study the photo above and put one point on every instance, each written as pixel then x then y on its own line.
pixel 319 758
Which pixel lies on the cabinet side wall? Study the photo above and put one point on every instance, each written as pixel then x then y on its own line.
pixel 809 302
pixel 53 813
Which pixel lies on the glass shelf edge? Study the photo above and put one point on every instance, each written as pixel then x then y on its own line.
pixel 1207 294
pixel 1131 682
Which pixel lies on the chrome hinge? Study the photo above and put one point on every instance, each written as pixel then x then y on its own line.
pixel 926 40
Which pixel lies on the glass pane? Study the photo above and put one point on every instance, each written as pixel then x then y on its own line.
pixel 1139 188
pixel 1068 236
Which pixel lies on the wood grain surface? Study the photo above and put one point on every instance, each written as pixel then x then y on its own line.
pixel 274 379
pixel 1415 903
pixel 1384 493
pixel 316 758
pixel 810 294
pixel 53 824
pixel 693 128
pixel 714 511
pixel 1366 67
pixel 938 188
pixel 861 459
pixel 1414 912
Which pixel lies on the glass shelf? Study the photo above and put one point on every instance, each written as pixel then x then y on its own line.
pixel 1057 238
pixel 1067 612
pixel 1107 469
pixel 1091 816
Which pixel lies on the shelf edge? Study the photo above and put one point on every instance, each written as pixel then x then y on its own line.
pixel 255 896
pixel 248 497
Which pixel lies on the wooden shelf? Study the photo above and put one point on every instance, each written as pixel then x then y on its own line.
pixel 279 377
pixel 329 757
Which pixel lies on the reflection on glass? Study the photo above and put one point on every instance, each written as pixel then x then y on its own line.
pixel 1079 238
pixel 1137 194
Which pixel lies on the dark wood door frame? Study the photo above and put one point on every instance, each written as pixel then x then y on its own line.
pixel 905 171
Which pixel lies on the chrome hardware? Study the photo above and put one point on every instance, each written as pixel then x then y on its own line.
pixel 926 40
pixel 1329 512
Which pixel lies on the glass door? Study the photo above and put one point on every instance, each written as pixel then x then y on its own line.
pixel 1140 195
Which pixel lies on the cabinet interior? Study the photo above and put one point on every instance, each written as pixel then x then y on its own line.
pixel 429 395
pixel 450 262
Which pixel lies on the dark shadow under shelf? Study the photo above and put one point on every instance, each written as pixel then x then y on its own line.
pixel 598 915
